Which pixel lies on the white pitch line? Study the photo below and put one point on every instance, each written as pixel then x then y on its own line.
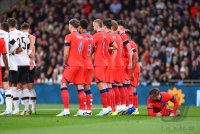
pixel 53 109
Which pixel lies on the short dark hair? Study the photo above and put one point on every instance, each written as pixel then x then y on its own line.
pixel 129 33
pixel 75 23
pixel 25 26
pixel 99 22
pixel 84 23
pixel 12 22
pixel 107 23
pixel 122 23
pixel 5 26
pixel 154 92
pixel 114 25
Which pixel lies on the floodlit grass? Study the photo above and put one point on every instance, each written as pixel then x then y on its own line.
pixel 45 122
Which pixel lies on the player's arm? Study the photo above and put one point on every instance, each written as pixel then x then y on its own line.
pixel 176 104
pixel 128 48
pixel 113 47
pixel 134 61
pixel 5 59
pixel 150 108
pixel 66 48
pixel 15 43
pixel 31 50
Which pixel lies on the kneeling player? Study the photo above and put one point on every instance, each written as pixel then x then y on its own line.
pixel 157 104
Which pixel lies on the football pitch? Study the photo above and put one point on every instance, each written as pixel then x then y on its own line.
pixel 45 122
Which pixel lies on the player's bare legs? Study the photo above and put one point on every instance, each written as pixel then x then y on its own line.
pixel 89 100
pixel 65 99
pixel 33 97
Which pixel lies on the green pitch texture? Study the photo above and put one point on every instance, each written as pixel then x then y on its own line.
pixel 45 122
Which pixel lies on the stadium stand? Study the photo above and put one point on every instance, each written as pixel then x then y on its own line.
pixel 167 33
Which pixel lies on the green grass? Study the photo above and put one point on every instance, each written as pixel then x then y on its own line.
pixel 45 122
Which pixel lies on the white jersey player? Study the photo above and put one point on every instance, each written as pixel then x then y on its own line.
pixel 18 52
pixel 31 52
pixel 4 28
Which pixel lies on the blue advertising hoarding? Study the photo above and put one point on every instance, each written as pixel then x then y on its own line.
pixel 50 94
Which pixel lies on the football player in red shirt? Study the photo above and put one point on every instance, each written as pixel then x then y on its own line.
pixel 110 54
pixel 157 104
pixel 3 52
pixel 88 65
pixel 119 78
pixel 135 72
pixel 127 58
pixel 101 64
pixel 74 68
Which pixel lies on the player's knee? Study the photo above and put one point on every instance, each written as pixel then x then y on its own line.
pixel 63 85
pixel 5 85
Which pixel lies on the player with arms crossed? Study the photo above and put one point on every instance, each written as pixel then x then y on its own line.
pixel 4 28
pixel 111 55
pixel 14 50
pixel 88 65
pixel 119 69
pixel 127 58
pixel 25 28
pixel 100 64
pixel 135 72
pixel 157 104
pixel 74 68
pixel 23 63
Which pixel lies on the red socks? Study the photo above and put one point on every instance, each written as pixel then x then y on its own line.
pixel 81 99
pixel 104 98
pixel 117 95
pixel 130 95
pixel 122 95
pixel 89 99
pixel 135 99
pixel 108 97
pixel 112 93
pixel 65 97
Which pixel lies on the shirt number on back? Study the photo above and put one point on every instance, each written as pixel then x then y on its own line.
pixel 80 47
pixel 89 49
pixel 103 46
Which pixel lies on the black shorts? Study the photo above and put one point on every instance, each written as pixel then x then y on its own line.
pixel 3 69
pixel 23 74
pixel 31 75
pixel 13 77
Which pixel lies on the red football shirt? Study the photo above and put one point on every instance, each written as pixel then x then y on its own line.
pixel 125 41
pixel 100 58
pixel 110 38
pixel 157 106
pixel 118 60
pixel 76 43
pixel 2 51
pixel 134 48
pixel 87 50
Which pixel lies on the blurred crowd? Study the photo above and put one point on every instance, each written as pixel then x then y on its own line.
pixel 167 33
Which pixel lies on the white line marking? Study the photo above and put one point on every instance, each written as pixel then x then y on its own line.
pixel 54 109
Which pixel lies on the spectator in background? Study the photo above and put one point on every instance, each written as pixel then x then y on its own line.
pixel 42 78
pixel 115 6
pixel 167 32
